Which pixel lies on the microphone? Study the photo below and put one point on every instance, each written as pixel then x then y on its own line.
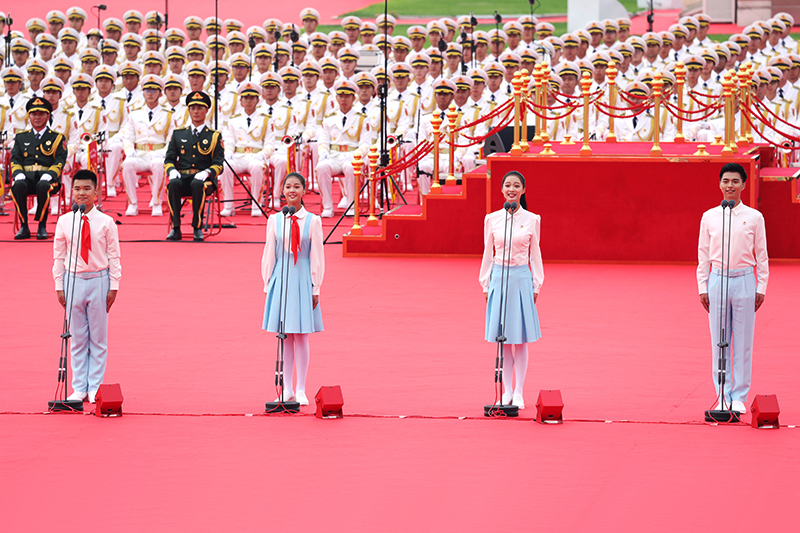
pixel 285 210
pixel 727 203
pixel 251 42
pixel 277 36
pixel 74 208
pixel 442 46
pixel 102 7
pixel 507 206
pixel 473 21
pixel 292 210
pixel 513 206
pixel 497 18
pixel 294 36
pixel 82 207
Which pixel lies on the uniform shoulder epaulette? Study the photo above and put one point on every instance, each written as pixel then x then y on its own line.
pixel 182 129
pixel 236 115
pixel 331 114
pixel 69 113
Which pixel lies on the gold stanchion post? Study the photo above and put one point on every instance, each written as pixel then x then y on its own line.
pixel 537 84
pixel 586 84
pixel 436 123
pixel 657 84
pixel 452 118
pixel 727 84
pixel 612 101
pixel 680 79
pixel 545 86
pixel 517 84
pixel 373 172
pixel 358 165
pixel 744 79
pixel 526 93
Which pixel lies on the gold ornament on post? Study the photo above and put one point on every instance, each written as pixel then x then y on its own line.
pixel 727 84
pixel 657 84
pixel 526 93
pixel 586 84
pixel 373 172
pixel 744 79
pixel 436 123
pixel 358 165
pixel 680 79
pixel 452 118
pixel 537 85
pixel 517 84
pixel 750 71
pixel 612 101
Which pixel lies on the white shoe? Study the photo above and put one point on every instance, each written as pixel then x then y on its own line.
pixel 327 213
pixel 152 202
pixel 302 399
pixel 739 407
pixel 256 213
pixel 92 395
pixel 351 212
pixel 77 397
pixel 344 202
pixel 227 212
pixel 518 401
pixel 507 398
pixel 288 396
pixel 132 210
pixel 157 212
pixel 112 192
pixel 32 210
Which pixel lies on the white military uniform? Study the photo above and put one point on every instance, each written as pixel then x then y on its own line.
pixel 145 137
pixel 464 160
pixel 247 152
pixel 282 123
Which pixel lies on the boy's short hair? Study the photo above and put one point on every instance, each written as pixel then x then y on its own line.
pixel 85 175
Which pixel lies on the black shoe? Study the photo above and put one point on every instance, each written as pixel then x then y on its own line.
pixel 198 235
pixel 174 235
pixel 41 234
pixel 23 233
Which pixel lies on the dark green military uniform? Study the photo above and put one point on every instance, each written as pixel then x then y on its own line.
pixel 34 156
pixel 189 155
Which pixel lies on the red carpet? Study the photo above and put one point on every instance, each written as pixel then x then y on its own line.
pixel 404 337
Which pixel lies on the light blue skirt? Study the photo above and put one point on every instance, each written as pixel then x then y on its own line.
pixel 521 318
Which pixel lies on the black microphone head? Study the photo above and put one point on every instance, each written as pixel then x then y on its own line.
pixel 463 36
pixel 532 2
pixel 103 7
pixel 74 208
pixel 473 21
pixel 292 210
pixel 497 18
pixel 277 35
pixel 513 206
pixel 724 204
pixel 285 210
pixel 82 207
pixel 251 42
pixel 442 46
pixel 507 206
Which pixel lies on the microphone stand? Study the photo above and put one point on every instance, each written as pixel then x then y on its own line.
pixel 69 293
pixel 6 171
pixel 252 43
pixel 281 406
pixel 725 413
pixel 9 59
pixel 496 410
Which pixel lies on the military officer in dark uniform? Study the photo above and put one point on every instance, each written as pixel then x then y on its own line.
pixel 194 160
pixel 37 160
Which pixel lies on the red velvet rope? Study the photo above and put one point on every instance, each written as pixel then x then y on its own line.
pixel 497 111
pixel 765 106
pixel 565 115
pixel 747 117
pixel 670 107
pixel 766 121
pixel 503 123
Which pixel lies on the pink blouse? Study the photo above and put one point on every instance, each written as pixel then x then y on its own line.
pixel 317 255
pixel 524 245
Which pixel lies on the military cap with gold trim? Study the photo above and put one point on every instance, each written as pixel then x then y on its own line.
pixel 173 80
pixel 309 13
pixel 153 57
pixel 232 25
pixel 795 59
pixel 436 26
pixel 400 70
pixel 319 39
pixel 368 28
pixel 104 71
pixel 570 39
pixel 272 25
pixel 248 88
pixel 610 26
pixel 667 38
pixel 454 49
pixel 198 98
pixel 690 22
pixel 388 20
pixel 129 68
pixel 21 45
pixel 351 23
pixel 221 67
pixel 595 27
pixel 35 64
pixel 722 49
pixel 583 35
pixel 345 87
pixel 679 30
pixel 282 49
pixel 754 32
pixel 213 24
pixel 782 62
pixel 402 43
pixel 154 17
pixel 62 63
pixel 626 49
pixel 56 16
pixel 113 24
pixel 311 67
pixel 90 54
pixel 775 74
pixel 152 35
pixel 569 68
pixel 109 46
pixel 264 50
pixel 463 83
pixel 786 18
pixel 76 13
pixel 637 89
pixel 12 73
pixel 289 73
pixel 435 55
pixel 94 32
pixel 270 79
pixel 739 38
pixel 256 32
pixel 36 24
pixel 703 19
pixel 709 55
pixel 51 83
pixel 329 63
pixel 216 41
pixel 496 35
pixel 776 25
pixel 133 15
pixel 692 61
pixel 623 23
pixel 585 65
pixel 176 52
pixel 465 23
pixel 379 73
pixel 239 59
pixel 529 56
pixel 557 43
pixel 443 85
pixel 132 39
pixel 449 23
pixel 651 38
pixel 348 53
pixel 554 82
pixel 477 76
pixel 38 104
pixel 365 78
pixel 493 68
pixel 236 37
pixel 301 45
pixel 512 28
pixel 616 56
pixel 68 34
pixel 82 81
pixel 417 32
pixel 510 60
pixel 197 48
pixel 193 22
pixel 600 59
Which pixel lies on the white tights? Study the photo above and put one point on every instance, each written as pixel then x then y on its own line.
pixel 295 351
pixel 515 366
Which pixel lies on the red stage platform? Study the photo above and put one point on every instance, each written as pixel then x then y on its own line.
pixel 619 204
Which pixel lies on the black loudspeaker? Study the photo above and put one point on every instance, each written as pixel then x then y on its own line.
pixel 329 402
pixel 108 401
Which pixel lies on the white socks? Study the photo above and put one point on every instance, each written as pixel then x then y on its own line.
pixel 515 365
pixel 295 352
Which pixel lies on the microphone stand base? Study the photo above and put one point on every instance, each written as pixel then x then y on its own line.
pixel 65 405
pixel 282 407
pixel 731 417
pixel 495 410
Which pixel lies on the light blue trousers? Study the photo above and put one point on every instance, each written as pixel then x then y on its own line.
pixel 741 306
pixel 88 324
